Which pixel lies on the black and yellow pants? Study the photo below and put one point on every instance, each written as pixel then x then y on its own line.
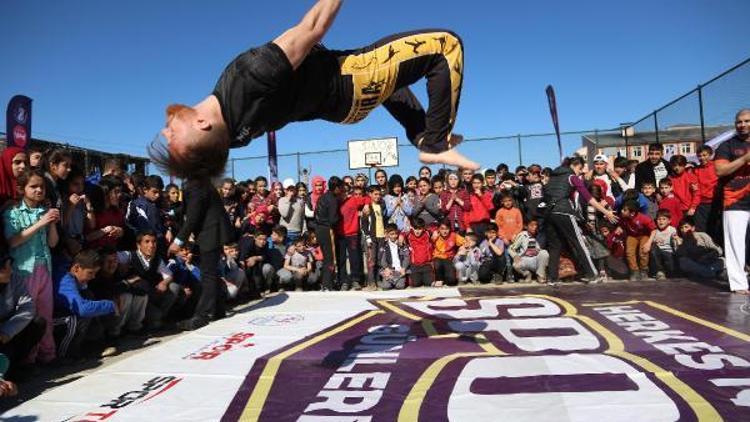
pixel 382 72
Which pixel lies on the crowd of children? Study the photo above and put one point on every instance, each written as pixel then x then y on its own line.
pixel 86 261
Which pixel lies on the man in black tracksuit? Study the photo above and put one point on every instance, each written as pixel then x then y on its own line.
pixel 326 217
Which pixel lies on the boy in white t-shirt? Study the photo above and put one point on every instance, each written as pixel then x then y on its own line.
pixel 662 245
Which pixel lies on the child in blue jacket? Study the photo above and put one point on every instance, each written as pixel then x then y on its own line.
pixel 75 310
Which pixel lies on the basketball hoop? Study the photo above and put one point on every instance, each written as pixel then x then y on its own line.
pixel 372 159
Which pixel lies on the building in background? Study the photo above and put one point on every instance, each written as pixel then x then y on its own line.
pixel 92 160
pixel 677 139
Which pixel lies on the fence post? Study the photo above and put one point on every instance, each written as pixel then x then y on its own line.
pixel 656 128
pixel 520 155
pixel 700 107
pixel 299 170
pixel 627 153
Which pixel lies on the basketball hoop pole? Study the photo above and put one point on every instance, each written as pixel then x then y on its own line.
pixel 369 172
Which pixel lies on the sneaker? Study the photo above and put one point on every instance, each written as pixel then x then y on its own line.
pixel 370 287
pixel 635 276
pixel 645 276
pixel 356 286
pixel 660 276
pixel 108 351
pixel 527 276
pixel 192 324
pixel 591 280
pixel 344 287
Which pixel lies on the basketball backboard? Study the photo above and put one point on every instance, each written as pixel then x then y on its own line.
pixel 368 153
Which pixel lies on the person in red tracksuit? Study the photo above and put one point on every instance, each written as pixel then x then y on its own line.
pixel 348 243
pixel 638 228
pixel 670 202
pixel 684 185
pixel 708 214
pixel 420 244
pixel 478 217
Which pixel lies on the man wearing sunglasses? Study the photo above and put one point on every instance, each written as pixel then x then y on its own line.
pixel 294 78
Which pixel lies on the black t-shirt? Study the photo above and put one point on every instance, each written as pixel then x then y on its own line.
pixel 260 92
pixel 736 185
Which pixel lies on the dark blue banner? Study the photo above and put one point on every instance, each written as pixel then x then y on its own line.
pixel 18 121
pixel 553 111
pixel 273 164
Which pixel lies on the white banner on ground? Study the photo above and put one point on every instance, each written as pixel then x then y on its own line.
pixel 194 377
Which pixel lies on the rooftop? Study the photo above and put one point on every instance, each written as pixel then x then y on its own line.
pixel 672 134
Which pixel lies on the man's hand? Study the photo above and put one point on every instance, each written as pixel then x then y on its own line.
pixel 8 388
pixel 173 248
pixel 612 217
pixel 4 338
pixel 162 286
pixel 75 198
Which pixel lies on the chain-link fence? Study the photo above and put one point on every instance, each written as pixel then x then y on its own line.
pixel 513 150
pixel 698 116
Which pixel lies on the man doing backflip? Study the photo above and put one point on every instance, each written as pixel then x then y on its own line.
pixel 294 78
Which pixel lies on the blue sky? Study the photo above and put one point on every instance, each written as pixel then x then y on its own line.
pixel 101 73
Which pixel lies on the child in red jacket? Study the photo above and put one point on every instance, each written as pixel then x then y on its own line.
pixel 478 217
pixel 708 213
pixel 684 185
pixel 670 202
pixel 638 227
pixel 420 245
pixel 348 244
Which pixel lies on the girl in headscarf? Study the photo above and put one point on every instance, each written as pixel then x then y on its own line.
pixel 311 200
pixel 454 202
pixel 13 163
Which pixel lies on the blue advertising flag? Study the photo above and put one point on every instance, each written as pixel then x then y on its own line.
pixel 18 121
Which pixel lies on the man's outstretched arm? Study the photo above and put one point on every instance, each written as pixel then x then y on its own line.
pixel 297 41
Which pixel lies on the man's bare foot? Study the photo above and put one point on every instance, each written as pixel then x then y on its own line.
pixel 743 292
pixel 450 157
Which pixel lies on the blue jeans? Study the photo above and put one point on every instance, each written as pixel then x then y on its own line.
pixel 705 271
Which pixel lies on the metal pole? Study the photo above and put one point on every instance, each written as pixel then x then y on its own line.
pixel 232 168
pixel 299 170
pixel 700 107
pixel 656 128
pixel 520 154
pixel 627 153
